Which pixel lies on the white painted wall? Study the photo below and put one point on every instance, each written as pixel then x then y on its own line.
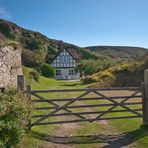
pixel 65 75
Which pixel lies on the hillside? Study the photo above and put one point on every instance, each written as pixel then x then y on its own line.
pixel 40 44
pixel 120 75
pixel 120 52
pixel 43 49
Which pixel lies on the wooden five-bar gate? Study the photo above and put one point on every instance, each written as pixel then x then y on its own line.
pixel 88 105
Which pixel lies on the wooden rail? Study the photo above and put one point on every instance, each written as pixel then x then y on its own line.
pixel 86 89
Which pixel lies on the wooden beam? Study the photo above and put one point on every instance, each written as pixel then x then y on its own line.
pixel 83 120
pixel 20 82
pixel 85 113
pixel 86 106
pixel 88 89
pixel 87 99
pixel 145 119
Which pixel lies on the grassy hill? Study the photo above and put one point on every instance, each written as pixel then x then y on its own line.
pixel 39 45
pixel 120 52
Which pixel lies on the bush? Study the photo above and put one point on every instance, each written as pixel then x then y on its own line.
pixel 89 67
pixel 7 32
pixel 47 70
pixel 121 75
pixel 13 119
pixel 32 58
pixel 34 75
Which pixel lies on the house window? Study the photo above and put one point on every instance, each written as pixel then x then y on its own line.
pixel 58 72
pixel 64 58
pixel 71 72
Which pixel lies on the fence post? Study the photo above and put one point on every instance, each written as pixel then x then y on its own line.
pixel 20 84
pixel 28 89
pixel 145 105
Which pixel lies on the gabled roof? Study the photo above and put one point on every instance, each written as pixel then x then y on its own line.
pixel 73 53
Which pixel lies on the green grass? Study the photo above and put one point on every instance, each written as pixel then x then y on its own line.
pixel 122 131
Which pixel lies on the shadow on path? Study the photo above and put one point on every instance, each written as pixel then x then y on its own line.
pixel 117 141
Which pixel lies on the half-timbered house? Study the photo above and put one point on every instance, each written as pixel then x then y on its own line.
pixel 65 64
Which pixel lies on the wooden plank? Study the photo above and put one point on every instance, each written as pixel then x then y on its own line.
pixel 86 106
pixel 88 89
pixel 84 113
pixel 29 100
pixel 146 97
pixel 87 99
pixel 143 101
pixel 20 82
pixel 83 120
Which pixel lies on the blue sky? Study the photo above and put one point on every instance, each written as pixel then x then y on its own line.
pixel 83 22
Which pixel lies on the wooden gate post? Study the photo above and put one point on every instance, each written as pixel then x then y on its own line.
pixel 145 105
pixel 20 84
pixel 28 89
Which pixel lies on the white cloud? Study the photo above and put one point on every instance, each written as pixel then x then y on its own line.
pixel 4 13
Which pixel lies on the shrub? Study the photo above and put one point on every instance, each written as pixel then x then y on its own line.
pixel 47 70
pixel 32 58
pixel 121 75
pixel 13 119
pixel 88 67
pixel 89 79
pixel 34 75
pixel 7 32
pixel 105 83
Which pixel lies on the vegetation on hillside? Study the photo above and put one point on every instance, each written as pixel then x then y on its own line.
pixel 9 43
pixel 120 53
pixel 89 67
pixel 125 74
pixel 35 44
pixel 37 48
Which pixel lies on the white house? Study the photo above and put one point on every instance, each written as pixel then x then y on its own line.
pixel 65 64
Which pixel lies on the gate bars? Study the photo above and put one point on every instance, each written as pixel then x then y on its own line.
pixel 137 92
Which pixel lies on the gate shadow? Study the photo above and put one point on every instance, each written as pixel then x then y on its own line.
pixel 118 140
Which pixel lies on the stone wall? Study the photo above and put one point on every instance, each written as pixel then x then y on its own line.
pixel 10 66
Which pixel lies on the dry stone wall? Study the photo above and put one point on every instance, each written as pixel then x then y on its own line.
pixel 10 66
